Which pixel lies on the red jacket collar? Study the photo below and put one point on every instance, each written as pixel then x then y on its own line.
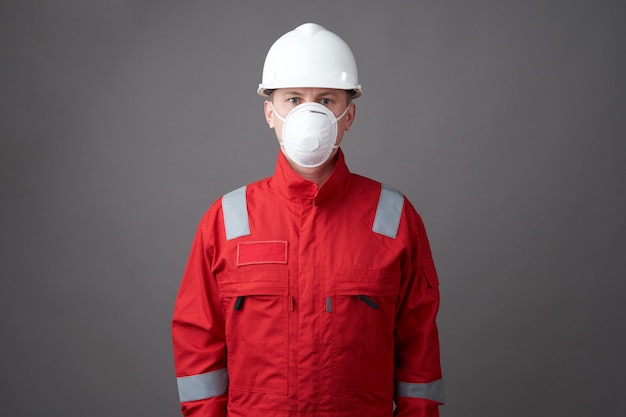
pixel 295 188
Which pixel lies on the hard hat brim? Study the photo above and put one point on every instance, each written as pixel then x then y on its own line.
pixel 265 90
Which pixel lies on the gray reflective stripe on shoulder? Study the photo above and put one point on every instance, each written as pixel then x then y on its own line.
pixel 202 386
pixel 235 211
pixel 388 211
pixel 431 391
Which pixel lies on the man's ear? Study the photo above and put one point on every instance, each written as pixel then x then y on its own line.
pixel 269 113
pixel 350 115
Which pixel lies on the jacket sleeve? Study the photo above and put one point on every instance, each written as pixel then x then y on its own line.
pixel 419 384
pixel 198 337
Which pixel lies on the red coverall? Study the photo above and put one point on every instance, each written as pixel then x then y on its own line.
pixel 300 300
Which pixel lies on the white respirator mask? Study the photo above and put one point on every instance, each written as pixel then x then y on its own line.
pixel 309 133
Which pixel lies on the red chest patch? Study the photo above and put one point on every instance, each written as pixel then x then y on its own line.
pixel 268 252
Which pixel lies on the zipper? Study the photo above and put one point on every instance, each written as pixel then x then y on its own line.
pixel 371 303
pixel 368 301
pixel 239 303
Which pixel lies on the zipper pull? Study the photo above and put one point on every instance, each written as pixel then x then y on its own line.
pixel 329 304
pixel 368 301
pixel 238 303
pixel 291 304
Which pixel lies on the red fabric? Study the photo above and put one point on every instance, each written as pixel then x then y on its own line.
pixel 302 342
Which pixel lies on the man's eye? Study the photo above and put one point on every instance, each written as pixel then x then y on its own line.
pixel 293 100
pixel 325 101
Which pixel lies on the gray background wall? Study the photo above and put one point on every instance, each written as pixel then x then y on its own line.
pixel 502 121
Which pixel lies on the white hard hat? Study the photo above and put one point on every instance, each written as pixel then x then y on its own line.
pixel 310 56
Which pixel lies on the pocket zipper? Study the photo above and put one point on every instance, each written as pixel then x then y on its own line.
pixel 371 303
pixel 239 303
pixel 368 301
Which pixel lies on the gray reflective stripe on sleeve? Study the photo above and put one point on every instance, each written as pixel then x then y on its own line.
pixel 430 391
pixel 388 211
pixel 235 211
pixel 202 386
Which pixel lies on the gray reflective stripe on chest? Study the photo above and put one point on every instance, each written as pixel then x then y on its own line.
pixel 235 211
pixel 388 212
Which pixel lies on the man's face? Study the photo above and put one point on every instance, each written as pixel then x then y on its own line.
pixel 285 99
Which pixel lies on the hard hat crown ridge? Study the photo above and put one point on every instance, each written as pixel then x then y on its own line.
pixel 310 56
pixel 309 29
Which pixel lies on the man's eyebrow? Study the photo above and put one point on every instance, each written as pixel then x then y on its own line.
pixel 292 93
pixel 332 94
pixel 295 93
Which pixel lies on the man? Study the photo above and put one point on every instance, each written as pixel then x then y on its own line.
pixel 312 292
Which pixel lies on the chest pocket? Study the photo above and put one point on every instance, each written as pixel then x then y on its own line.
pixel 255 307
pixel 360 316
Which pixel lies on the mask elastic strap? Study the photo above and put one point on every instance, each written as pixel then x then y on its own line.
pixel 344 113
pixel 276 113
pixel 335 146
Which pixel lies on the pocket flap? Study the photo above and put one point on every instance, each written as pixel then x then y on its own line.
pixel 382 283
pixel 254 283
